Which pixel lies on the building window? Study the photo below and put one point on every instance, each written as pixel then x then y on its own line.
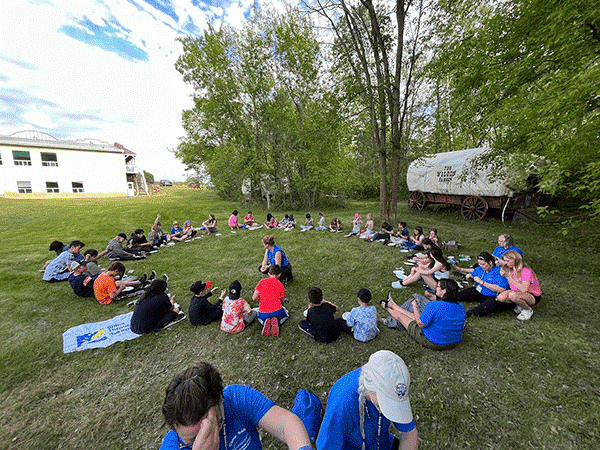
pixel 24 187
pixel 51 187
pixel 21 158
pixel 49 159
pixel 77 186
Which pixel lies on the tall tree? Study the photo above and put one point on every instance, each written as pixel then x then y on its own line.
pixel 374 44
pixel 260 121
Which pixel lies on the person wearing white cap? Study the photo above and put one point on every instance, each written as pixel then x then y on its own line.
pixel 362 405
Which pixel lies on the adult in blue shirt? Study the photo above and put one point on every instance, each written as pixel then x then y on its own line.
pixel 275 255
pixel 204 415
pixel 505 243
pixel 489 282
pixel 363 403
pixel 439 326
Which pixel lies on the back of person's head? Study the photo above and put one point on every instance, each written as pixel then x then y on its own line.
pixel 76 243
pixel 118 267
pixel 235 212
pixel 269 240
pixel 138 231
pixel 274 269
pixel 427 241
pixel 364 295
pixel 385 225
pixel 315 295
pixel 235 290
pixel 156 287
pixel 56 246
pixel 451 288
pixel 91 251
pixel 308 215
pixel 286 216
pixel 487 257
pixel 436 253
pixel 403 224
pixel 291 216
pixel 269 216
pixel 191 394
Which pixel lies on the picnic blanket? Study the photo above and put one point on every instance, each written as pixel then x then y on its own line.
pixel 98 334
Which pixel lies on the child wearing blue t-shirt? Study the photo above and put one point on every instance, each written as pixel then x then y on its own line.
pixel 361 322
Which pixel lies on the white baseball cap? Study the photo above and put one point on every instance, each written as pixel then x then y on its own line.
pixel 390 377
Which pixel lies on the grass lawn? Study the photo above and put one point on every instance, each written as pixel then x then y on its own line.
pixel 508 385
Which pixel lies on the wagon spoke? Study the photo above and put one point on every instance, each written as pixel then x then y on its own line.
pixel 474 207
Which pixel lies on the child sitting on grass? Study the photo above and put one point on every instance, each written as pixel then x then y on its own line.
pixel 270 292
pixel 321 224
pixel 201 311
pixel 361 322
pixel 237 313
pixel 320 322
pixel 291 223
pixel 335 225
pixel 308 224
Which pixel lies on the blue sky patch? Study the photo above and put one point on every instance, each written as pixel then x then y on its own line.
pixel 105 37
pixel 165 7
pixel 17 62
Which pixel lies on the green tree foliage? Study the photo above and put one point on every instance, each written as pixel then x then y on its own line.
pixel 524 77
pixel 262 122
pixel 149 177
pixel 376 53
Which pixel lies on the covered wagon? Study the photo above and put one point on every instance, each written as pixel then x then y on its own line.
pixel 459 178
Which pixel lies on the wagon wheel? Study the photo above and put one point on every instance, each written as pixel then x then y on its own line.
pixel 474 208
pixel 416 200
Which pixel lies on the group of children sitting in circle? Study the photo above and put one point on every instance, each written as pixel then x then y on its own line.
pixel 435 319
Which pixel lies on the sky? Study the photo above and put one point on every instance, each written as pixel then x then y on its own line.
pixel 105 69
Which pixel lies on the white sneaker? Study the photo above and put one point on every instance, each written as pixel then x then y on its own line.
pixel 518 309
pixel 400 275
pixel 398 285
pixel 525 314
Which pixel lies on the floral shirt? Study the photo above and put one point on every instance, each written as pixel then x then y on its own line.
pixel 363 320
pixel 233 315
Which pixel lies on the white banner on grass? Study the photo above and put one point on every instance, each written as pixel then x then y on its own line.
pixel 99 334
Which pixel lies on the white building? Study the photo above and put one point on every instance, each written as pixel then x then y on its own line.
pixel 35 164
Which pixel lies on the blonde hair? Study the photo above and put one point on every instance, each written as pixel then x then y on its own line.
pixel 515 256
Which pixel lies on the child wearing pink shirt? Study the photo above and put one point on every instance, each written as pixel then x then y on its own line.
pixel 524 285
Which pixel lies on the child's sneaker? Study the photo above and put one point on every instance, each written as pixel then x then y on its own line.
pixel 152 276
pixel 266 331
pixel 400 274
pixel 525 314
pixel 274 326
pixel 398 285
pixel 518 309
pixel 165 277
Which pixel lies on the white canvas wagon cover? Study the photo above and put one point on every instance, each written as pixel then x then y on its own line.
pixel 442 173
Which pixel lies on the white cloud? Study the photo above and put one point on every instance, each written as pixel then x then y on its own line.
pixel 63 83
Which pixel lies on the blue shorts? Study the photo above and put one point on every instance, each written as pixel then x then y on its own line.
pixel 281 315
